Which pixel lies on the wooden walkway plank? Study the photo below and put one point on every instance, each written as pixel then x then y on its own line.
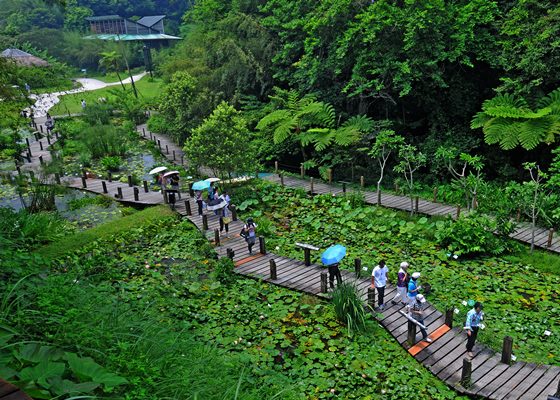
pixel 544 387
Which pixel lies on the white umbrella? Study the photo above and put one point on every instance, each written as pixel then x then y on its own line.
pixel 170 173
pixel 216 204
pixel 157 170
pixel 212 180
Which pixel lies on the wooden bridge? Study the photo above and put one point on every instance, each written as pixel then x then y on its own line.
pixel 445 357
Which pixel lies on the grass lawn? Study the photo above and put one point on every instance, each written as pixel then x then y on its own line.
pixel 148 89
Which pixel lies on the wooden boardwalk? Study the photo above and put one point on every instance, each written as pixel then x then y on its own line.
pixel 443 357
pixel 11 392
pixel 522 233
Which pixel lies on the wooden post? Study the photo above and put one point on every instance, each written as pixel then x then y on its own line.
pixel 343 187
pixel 182 156
pixel 110 177
pixel 174 158
pixel 507 349
pixel 362 182
pixel 28 155
pixel 262 245
pixel 302 171
pixel 416 201
pixel 159 144
pixel 411 338
pixel 466 373
pixel 166 149
pixel 199 205
pixel 57 178
pixel 230 253
pixel 18 170
pixel 28 146
pixel 48 139
pixel 188 208
pixel 84 184
pixel 233 210
pixel 550 235
pixel 273 275
pixel 435 194
pixel 307 257
pixel 205 222
pixel 144 132
pixel 275 167
pixel 379 197
pixel 119 193
pixel 32 175
pixel 282 179
pixel 136 194
pixel 41 129
pixel 311 185
pixel 357 267
pixel 217 237
pixel 130 181
pixel 191 191
pixel 40 159
pixel 150 135
pixel 329 173
pixel 145 183
pixel 84 173
pixel 41 145
pixel 165 198
pixel 458 213
pixel 323 282
pixel 449 317
pixel 371 297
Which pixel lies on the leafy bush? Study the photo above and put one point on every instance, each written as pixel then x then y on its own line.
pixel 111 163
pixel 157 124
pixel 472 234
pixel 98 113
pixel 223 270
pixel 76 204
pixel 349 307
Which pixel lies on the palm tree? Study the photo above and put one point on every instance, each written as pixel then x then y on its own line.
pixel 509 121
pixel 110 61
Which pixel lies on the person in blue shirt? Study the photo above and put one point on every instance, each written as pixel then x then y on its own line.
pixel 472 324
pixel 413 288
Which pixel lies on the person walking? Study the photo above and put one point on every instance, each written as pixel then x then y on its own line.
pixel 83 102
pixel 175 184
pixel 379 281
pixel 225 218
pixel 472 325
pixel 49 123
pixel 249 232
pixel 417 313
pixel 413 288
pixel 402 278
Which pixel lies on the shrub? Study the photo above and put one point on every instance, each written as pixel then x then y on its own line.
pixel 472 234
pixel 157 124
pixel 111 163
pixel 223 271
pixel 348 307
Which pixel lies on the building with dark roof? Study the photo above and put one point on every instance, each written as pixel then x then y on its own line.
pixel 117 28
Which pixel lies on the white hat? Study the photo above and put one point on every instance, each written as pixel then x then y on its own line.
pixel 404 264
pixel 416 275
pixel 420 298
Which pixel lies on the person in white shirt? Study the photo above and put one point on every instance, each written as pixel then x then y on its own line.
pixel 378 281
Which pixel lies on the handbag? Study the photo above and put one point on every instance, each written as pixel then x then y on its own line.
pixel 226 220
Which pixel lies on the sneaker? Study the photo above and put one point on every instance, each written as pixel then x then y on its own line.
pixel 470 354
pixel 382 307
pixel 428 340
pixel 393 302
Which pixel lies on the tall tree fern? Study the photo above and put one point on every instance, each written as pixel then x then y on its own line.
pixel 509 121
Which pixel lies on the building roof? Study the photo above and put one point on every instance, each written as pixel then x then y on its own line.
pixel 104 18
pixel 129 37
pixel 23 58
pixel 151 20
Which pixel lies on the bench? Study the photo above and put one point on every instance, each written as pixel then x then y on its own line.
pixel 307 252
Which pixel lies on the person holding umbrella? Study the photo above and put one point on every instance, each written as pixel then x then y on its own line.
pixel 198 187
pixel 225 218
pixel 331 258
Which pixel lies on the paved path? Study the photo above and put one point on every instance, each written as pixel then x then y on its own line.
pixel 443 357
pixel 44 102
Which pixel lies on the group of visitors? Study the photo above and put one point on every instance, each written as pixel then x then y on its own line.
pixel 214 197
pixel 407 294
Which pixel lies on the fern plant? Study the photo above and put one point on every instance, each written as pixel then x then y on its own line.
pixel 509 121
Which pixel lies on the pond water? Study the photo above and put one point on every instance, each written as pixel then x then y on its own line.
pixel 90 214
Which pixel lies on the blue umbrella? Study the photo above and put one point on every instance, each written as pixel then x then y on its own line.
pixel 201 185
pixel 333 254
